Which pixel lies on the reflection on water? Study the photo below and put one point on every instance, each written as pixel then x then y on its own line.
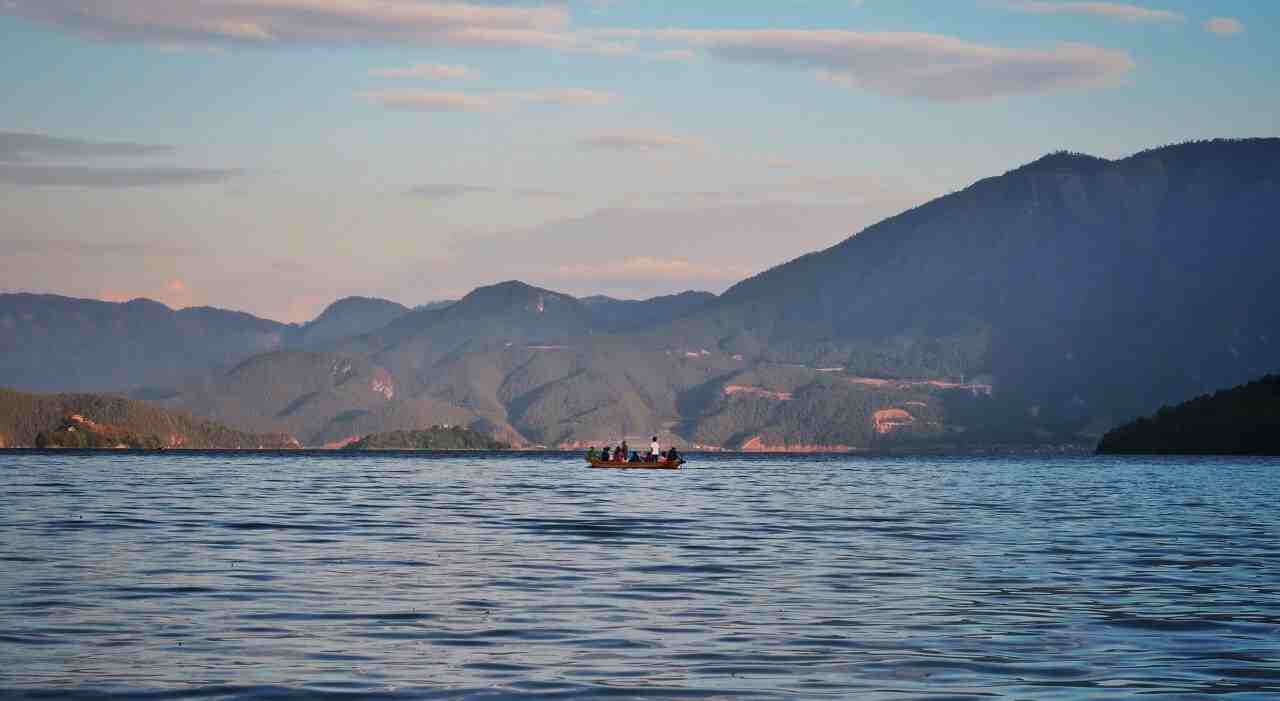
pixel 530 575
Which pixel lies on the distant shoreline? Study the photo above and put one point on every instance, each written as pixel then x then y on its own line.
pixel 989 451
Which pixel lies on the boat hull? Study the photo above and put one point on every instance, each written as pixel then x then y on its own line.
pixel 662 465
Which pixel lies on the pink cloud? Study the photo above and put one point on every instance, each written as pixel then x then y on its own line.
pixel 643 141
pixel 1223 26
pixel 1123 12
pixel 570 96
pixel 435 101
pixel 643 268
pixel 907 64
pixel 430 101
pixel 424 70
pixel 305 21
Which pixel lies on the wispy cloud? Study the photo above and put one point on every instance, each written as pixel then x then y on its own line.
pixel 907 64
pixel 424 70
pixel 441 191
pixel 438 101
pixel 1223 26
pixel 92 248
pixel 315 22
pixel 675 55
pixel 39 175
pixel 42 160
pixel 643 141
pixel 648 268
pixel 22 146
pixel 1121 12
pixel 431 101
pixel 568 96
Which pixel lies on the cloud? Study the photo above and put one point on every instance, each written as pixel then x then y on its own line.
pixel 22 146
pixel 315 22
pixel 655 244
pixel 1223 26
pixel 424 70
pixel 907 64
pixel 441 191
pixel 44 247
pixel 675 55
pixel 1121 12
pixel 430 101
pixel 569 96
pixel 648 268
pixel 41 160
pixel 643 141
pixel 40 175
pixel 434 101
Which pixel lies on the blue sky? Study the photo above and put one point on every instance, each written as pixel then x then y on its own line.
pixel 273 155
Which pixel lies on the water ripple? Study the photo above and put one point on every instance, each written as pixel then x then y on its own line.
pixel 492 577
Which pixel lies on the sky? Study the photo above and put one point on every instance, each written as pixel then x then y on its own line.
pixel 275 155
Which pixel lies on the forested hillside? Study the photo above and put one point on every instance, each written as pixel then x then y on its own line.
pixel 1243 420
pixel 433 438
pixel 1092 290
pixel 99 421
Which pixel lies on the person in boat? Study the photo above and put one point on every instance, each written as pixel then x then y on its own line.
pixel 624 448
pixel 672 455
pixel 591 453
pixel 619 454
pixel 635 456
pixel 654 449
pixel 604 454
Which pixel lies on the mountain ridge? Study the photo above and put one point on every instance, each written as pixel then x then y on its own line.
pixel 1080 290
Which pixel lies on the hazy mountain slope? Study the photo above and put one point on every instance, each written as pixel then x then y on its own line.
pixel 293 391
pixel 49 342
pixel 350 316
pixel 25 416
pixel 1087 287
pixel 520 362
pixel 640 314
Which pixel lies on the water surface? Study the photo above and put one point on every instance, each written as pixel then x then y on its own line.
pixel 496 576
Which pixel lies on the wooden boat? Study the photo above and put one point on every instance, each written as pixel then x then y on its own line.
pixel 660 465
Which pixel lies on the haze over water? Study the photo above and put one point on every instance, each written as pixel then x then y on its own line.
pixel 529 575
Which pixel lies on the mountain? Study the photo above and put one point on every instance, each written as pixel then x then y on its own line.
pixel 630 314
pixel 1243 420
pixel 524 364
pixel 1090 290
pixel 350 316
pixel 53 343
pixel 1041 306
pixel 100 421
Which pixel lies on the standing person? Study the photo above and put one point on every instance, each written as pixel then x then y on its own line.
pixel 655 448
pixel 624 448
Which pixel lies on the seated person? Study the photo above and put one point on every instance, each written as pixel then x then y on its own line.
pixel 635 457
pixel 604 454
pixel 672 455
pixel 619 454
pixel 591 453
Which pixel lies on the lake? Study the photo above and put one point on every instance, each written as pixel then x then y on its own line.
pixel 528 575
